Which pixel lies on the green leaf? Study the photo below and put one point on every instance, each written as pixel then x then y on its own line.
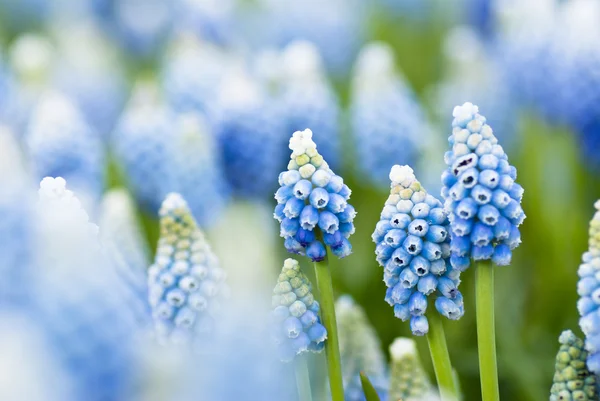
pixel 368 389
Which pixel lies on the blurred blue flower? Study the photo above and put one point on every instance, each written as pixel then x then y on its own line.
pixel 185 283
pixel 474 73
pixel 90 73
pixel 16 228
pixel 61 143
pixel 86 311
pixel 249 128
pixel 413 247
pixel 481 196
pixel 309 100
pixel 191 74
pixel 572 379
pixel 588 289
pixel 297 326
pixel 387 122
pixel 360 350
pixel 211 20
pixel 140 26
pixel 312 203
pixel 336 27
pixel 162 152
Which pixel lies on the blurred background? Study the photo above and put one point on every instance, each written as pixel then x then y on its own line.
pixel 129 100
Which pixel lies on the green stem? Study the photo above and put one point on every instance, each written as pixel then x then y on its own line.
pixel 332 348
pixel 441 359
pixel 486 337
pixel 302 379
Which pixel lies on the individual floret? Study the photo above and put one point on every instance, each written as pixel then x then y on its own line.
pixel 312 203
pixel 482 199
pixel 413 247
pixel 185 282
pixel 297 326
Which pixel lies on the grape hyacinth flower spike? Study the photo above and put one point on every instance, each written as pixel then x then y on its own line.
pixel 297 326
pixel 185 282
pixel 572 379
pixel 588 289
pixel 296 314
pixel 312 207
pixel 484 206
pixel 312 203
pixel 413 247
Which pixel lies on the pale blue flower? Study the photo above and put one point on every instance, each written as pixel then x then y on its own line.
pixel 312 203
pixel 297 326
pixel 413 247
pixel 481 196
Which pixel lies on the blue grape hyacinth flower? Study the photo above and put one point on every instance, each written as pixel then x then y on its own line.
pixel 388 124
pixel 588 289
pixel 360 350
pixel 312 203
pixel 185 283
pixel 297 325
pixel 248 126
pixel 572 379
pixel 309 100
pixel 61 143
pixel 482 199
pixel 162 151
pixel 413 247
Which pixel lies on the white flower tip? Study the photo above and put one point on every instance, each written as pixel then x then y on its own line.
pixel 402 175
pixel 301 58
pixel 402 347
pixel 31 55
pixel 465 112
pixel 301 141
pixel 51 187
pixel 566 337
pixel 290 263
pixel 597 205
pixel 173 201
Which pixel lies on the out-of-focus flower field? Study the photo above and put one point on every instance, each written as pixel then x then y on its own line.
pixel 130 101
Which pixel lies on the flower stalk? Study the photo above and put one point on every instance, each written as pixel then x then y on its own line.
pixel 441 359
pixel 486 337
pixel 332 349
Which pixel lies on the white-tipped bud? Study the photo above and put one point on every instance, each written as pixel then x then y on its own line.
pixel 402 175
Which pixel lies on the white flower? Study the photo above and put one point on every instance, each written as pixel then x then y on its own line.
pixel 402 175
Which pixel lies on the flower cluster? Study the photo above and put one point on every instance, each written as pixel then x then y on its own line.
pixel 408 380
pixel 312 203
pixel 481 195
pixel 360 350
pixel 572 379
pixel 298 327
pixel 185 280
pixel 387 122
pixel 588 289
pixel 413 247
pixel 162 151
